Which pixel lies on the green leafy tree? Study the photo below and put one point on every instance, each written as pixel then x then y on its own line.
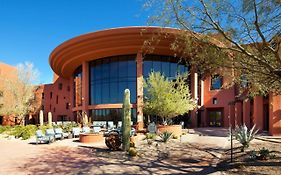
pixel 167 99
pixel 242 35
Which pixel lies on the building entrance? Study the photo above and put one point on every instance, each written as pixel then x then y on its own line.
pixel 215 117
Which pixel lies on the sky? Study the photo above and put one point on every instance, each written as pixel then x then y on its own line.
pixel 31 29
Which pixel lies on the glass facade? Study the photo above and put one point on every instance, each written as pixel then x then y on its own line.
pixel 167 65
pixel 111 115
pixel 77 84
pixel 109 77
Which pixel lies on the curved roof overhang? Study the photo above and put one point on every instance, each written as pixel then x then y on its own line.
pixel 119 41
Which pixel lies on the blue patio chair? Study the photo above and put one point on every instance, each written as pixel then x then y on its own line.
pixel 97 129
pixel 59 134
pixel 51 134
pixel 86 129
pixel 40 137
pixel 76 131
pixel 110 125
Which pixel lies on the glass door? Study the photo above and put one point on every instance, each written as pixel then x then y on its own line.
pixel 215 118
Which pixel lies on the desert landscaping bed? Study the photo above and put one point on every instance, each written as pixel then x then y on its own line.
pixel 244 164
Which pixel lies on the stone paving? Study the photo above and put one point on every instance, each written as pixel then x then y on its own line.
pixel 193 154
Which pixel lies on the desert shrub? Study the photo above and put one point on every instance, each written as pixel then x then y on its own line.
pixel 44 128
pixel 132 152
pixel 4 129
pixel 262 154
pixel 28 131
pixel 166 136
pixel 68 127
pixel 150 136
pixel 25 132
pixel 245 136
pixel 175 136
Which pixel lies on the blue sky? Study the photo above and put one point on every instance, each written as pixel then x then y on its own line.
pixel 31 29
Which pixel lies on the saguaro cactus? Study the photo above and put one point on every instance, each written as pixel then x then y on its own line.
pixel 50 118
pixel 126 120
pixel 41 118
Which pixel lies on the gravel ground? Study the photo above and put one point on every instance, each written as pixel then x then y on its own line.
pixel 243 165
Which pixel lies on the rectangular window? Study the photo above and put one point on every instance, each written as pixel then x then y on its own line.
pixel 60 86
pixel 57 100
pixel 215 101
pixel 216 82
pixel 42 95
pixel 51 95
pixel 54 109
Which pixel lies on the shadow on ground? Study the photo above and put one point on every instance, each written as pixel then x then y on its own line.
pixel 212 131
pixel 183 159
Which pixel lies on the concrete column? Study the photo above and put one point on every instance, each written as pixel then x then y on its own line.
pixel 275 115
pixel 246 112
pixel 194 92
pixel 85 87
pixel 258 112
pixel 71 92
pixel 139 61
pixel 202 93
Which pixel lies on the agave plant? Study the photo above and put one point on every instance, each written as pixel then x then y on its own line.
pixel 245 136
pixel 166 136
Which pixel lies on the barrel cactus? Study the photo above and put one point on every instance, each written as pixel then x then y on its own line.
pixel 41 118
pixel 50 118
pixel 126 121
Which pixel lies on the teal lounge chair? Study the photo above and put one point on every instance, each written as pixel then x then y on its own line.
pixel 40 137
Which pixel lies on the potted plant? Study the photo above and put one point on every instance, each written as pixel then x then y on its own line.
pixel 167 99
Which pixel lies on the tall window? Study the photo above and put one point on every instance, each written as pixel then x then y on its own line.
pixel 167 65
pixel 216 82
pixel 60 86
pixel 78 86
pixel 109 77
pixel 114 115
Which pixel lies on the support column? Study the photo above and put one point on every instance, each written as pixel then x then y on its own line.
pixel 139 61
pixel 202 93
pixel 246 112
pixel 194 92
pixel 258 112
pixel 71 96
pixel 85 87
pixel 275 115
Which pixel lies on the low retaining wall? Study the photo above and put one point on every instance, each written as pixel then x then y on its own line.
pixel 90 138
pixel 175 129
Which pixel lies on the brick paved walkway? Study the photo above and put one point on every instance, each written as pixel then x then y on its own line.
pixel 67 157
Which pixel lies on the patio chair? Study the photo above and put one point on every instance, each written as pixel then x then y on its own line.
pixel 97 129
pixel 85 129
pixel 40 137
pixel 119 125
pixel 51 134
pixel 59 134
pixel 76 131
pixel 110 125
